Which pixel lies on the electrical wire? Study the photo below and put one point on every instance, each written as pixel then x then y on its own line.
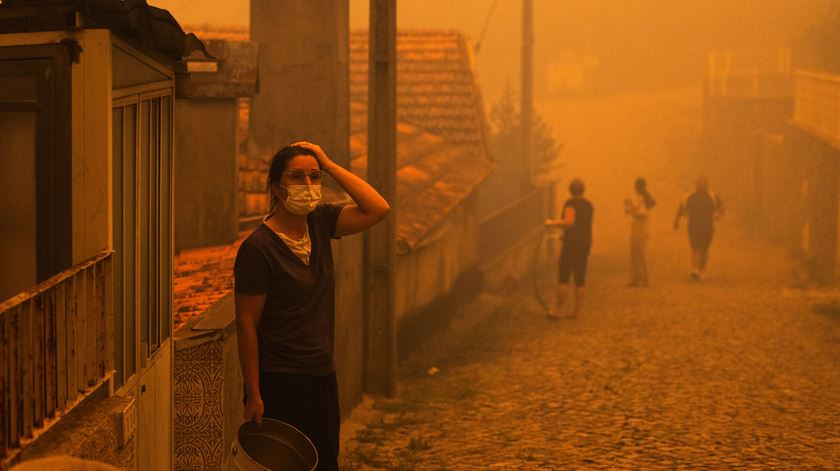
pixel 484 28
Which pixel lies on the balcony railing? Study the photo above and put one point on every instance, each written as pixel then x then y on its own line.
pixel 817 105
pixel 750 74
pixel 56 346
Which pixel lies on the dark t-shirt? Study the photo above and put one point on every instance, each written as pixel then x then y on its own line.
pixel 700 207
pixel 579 236
pixel 297 328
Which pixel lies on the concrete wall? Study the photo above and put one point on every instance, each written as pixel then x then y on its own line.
pixel 304 84
pixel 90 431
pixel 800 199
pixel 429 271
pixel 348 255
pixel 205 172
pixel 782 197
pixel 822 180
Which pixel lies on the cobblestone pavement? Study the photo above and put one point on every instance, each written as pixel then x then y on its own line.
pixel 733 372
pixel 736 372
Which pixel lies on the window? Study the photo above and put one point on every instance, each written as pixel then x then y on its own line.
pixel 142 153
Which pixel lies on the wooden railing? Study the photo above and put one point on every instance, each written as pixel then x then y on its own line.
pixel 817 105
pixel 56 345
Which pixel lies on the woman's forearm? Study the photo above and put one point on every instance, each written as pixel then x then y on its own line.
pixel 369 201
pixel 249 359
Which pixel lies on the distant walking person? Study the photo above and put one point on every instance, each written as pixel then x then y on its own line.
pixel 702 208
pixel 637 208
pixel 577 241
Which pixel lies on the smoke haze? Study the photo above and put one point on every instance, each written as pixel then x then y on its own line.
pixel 583 47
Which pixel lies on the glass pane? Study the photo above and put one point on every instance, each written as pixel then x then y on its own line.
pixel 17 206
pixel 154 228
pixel 166 217
pixel 143 232
pixel 130 239
pixel 117 227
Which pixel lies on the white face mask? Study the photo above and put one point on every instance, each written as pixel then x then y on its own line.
pixel 302 199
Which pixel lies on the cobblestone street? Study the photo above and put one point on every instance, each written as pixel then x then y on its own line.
pixel 739 371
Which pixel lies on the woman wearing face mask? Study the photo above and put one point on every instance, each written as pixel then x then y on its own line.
pixel 284 294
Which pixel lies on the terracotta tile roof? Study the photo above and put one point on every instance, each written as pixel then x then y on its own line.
pixel 442 153
pixel 437 88
pixel 433 176
pixel 202 277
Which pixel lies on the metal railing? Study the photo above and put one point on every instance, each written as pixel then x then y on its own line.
pixel 56 345
pixel 817 105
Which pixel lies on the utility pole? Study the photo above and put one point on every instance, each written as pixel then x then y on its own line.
pixel 526 107
pixel 380 247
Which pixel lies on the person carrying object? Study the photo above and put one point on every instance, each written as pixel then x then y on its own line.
pixel 284 291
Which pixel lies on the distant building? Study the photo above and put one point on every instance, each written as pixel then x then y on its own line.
pixel 746 94
pixel 802 176
pixel 208 143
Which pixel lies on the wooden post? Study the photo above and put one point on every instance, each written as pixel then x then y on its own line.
pixel 527 98
pixel 380 253
pixel 26 369
pixel 14 358
pixel 4 380
pixel 38 359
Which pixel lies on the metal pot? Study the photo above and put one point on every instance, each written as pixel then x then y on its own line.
pixel 275 446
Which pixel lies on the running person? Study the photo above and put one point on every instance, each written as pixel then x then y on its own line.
pixel 702 208
pixel 577 241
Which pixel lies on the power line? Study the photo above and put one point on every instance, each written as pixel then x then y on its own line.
pixel 486 23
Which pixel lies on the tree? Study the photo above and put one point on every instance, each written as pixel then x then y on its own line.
pixel 818 45
pixel 505 136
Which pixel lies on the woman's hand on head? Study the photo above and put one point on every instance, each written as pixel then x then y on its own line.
pixel 320 155
pixel 254 409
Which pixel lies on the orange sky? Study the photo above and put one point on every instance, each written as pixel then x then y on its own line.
pixel 637 44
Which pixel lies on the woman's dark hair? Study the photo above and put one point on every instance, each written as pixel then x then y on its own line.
pixel 280 162
pixel 576 187
pixel 641 188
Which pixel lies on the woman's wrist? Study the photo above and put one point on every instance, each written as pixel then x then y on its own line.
pixel 254 393
pixel 329 166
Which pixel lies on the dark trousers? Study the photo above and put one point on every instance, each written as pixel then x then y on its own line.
pixel 310 403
